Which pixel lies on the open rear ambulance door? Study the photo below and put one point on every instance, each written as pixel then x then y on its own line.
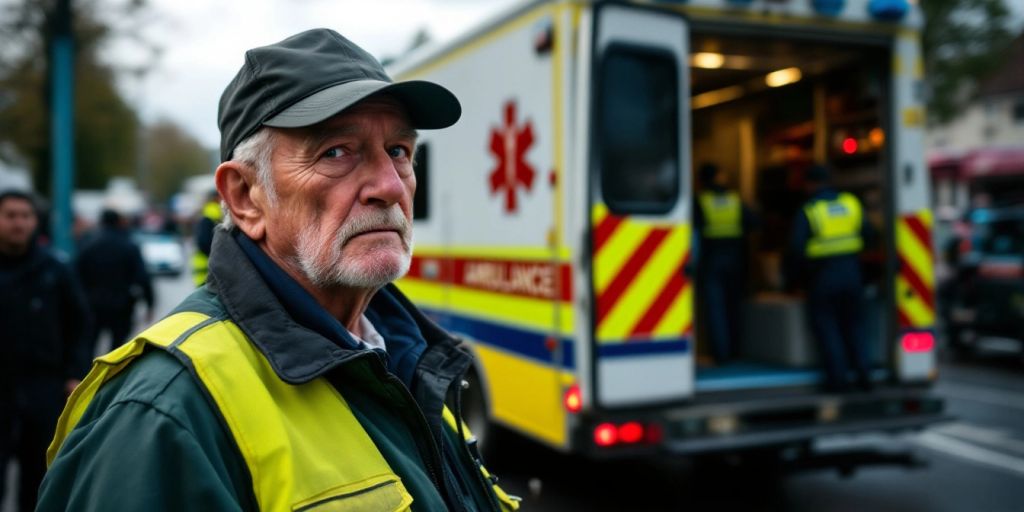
pixel 639 203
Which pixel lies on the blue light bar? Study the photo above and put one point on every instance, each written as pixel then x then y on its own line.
pixel 888 10
pixel 829 7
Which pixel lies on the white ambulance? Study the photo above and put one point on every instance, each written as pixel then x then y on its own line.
pixel 553 222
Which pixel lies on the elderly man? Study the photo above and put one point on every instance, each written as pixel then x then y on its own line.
pixel 297 377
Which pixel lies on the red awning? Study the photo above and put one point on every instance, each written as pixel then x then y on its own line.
pixel 945 164
pixel 938 158
pixel 993 162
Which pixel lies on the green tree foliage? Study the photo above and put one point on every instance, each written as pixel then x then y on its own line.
pixel 964 41
pixel 171 156
pixel 106 126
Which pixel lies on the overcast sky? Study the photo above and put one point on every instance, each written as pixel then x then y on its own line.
pixel 203 42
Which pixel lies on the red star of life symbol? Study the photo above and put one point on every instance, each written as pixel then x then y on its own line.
pixel 509 144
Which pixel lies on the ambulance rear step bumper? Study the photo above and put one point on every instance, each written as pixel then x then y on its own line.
pixel 750 440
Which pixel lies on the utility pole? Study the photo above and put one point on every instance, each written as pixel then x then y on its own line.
pixel 62 124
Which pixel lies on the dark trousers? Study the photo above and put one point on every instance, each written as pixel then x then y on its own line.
pixel 835 319
pixel 28 419
pixel 721 288
pixel 116 321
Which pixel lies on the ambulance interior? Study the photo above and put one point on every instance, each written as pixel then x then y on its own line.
pixel 763 110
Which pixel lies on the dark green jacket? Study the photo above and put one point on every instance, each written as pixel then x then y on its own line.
pixel 151 440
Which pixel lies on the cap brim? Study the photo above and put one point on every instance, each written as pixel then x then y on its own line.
pixel 429 105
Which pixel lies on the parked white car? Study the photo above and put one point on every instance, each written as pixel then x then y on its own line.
pixel 162 253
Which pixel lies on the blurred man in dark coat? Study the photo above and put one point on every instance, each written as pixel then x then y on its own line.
pixel 114 276
pixel 43 338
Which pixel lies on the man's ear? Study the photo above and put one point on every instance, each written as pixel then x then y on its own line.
pixel 244 197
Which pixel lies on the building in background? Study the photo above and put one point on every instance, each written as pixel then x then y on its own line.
pixel 982 151
pixel 995 118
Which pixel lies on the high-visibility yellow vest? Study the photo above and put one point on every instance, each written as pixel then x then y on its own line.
pixel 301 443
pixel 723 214
pixel 835 227
pixel 200 261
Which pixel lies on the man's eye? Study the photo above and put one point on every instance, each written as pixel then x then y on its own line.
pixel 334 152
pixel 398 152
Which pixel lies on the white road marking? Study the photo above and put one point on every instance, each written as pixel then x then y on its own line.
pixel 999 439
pixel 983 395
pixel 965 450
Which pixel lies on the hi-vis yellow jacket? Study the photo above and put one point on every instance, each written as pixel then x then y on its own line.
pixel 723 214
pixel 302 444
pixel 835 227
pixel 212 214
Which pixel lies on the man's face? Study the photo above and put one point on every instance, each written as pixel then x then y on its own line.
pixel 342 215
pixel 17 224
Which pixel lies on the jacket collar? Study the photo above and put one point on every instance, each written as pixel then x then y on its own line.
pixel 297 353
pixel 297 302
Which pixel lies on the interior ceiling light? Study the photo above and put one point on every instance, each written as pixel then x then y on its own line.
pixel 707 99
pixel 783 77
pixel 707 60
pixel 715 60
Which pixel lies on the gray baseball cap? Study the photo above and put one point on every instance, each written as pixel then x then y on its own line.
pixel 313 76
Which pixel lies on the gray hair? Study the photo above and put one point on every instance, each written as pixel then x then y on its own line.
pixel 255 151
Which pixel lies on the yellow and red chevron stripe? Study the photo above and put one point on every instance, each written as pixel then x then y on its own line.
pixel 915 283
pixel 642 291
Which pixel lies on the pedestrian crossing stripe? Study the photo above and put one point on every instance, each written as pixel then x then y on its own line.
pixel 915 282
pixel 642 292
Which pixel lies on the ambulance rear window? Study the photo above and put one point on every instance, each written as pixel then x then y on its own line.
pixel 638 129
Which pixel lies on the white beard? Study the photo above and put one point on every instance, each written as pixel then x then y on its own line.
pixel 322 260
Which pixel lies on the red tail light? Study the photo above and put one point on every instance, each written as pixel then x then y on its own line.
pixel 631 432
pixel 918 342
pixel 573 400
pixel 653 434
pixel 606 434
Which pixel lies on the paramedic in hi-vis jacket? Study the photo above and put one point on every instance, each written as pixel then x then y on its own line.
pixel 828 235
pixel 297 377
pixel 722 221
pixel 209 215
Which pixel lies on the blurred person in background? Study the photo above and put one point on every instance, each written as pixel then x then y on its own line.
pixel 722 221
pixel 114 277
pixel 298 376
pixel 44 324
pixel 828 237
pixel 209 215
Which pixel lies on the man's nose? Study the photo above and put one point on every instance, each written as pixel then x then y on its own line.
pixel 384 183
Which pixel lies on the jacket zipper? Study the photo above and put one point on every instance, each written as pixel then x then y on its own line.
pixel 476 463
pixel 436 473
